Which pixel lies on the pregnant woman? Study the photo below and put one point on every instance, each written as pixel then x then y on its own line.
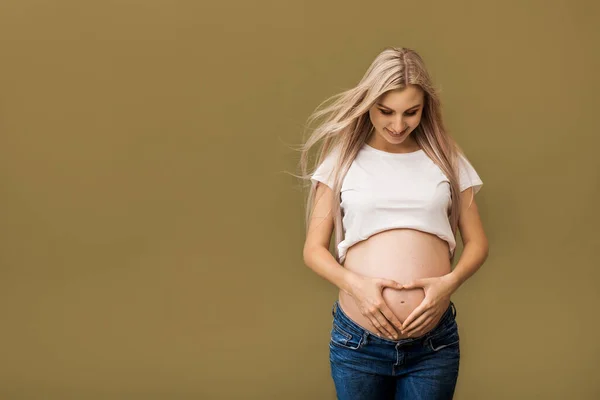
pixel 393 187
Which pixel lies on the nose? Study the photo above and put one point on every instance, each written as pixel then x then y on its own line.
pixel 397 125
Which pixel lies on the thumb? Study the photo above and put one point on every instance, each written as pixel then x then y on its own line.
pixel 391 283
pixel 414 284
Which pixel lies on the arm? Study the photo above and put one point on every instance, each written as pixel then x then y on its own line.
pixel 319 259
pixel 475 243
pixel 316 253
pixel 475 251
pixel 366 291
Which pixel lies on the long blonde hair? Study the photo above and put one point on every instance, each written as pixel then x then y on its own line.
pixel 347 127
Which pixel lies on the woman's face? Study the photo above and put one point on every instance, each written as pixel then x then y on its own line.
pixel 395 115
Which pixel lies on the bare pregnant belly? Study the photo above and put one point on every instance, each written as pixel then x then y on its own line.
pixel 399 254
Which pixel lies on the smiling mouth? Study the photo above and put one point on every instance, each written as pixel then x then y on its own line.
pixel 396 134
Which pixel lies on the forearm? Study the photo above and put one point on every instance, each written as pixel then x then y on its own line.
pixel 471 259
pixel 320 260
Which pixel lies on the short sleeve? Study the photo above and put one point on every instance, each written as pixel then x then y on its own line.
pixel 324 172
pixel 468 176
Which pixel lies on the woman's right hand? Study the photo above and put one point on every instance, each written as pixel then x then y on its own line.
pixel 367 292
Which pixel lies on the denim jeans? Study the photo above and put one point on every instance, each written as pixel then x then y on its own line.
pixel 366 366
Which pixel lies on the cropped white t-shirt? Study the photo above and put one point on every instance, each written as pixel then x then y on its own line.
pixel 385 190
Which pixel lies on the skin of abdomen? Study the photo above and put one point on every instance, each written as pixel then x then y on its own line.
pixel 399 254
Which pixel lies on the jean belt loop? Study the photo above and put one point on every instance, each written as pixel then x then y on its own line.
pixel 453 309
pixel 333 309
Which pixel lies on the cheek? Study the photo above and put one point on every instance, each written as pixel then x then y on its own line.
pixel 414 120
pixel 377 121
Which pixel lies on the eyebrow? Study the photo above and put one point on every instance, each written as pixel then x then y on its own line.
pixel 408 109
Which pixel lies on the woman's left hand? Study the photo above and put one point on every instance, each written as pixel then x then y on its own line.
pixel 429 312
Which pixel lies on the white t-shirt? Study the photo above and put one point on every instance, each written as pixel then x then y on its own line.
pixel 385 190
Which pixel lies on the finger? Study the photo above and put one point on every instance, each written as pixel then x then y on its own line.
pixel 371 314
pixel 390 316
pixel 390 283
pixel 419 325
pixel 379 328
pixel 418 322
pixel 409 285
pixel 428 325
pixel 413 315
pixel 434 319
pixel 414 284
pixel 418 332
pixel 385 325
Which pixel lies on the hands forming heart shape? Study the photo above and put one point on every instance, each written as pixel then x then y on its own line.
pixel 367 292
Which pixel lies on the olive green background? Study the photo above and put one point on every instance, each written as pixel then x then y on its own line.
pixel 151 234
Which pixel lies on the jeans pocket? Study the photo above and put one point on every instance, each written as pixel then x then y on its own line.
pixel 342 338
pixel 448 337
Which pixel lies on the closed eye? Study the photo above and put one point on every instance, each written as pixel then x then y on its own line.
pixel 410 114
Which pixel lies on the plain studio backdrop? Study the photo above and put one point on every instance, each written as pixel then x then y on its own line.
pixel 151 235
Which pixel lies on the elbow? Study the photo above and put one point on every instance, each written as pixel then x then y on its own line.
pixel 485 246
pixel 485 249
pixel 308 253
pixel 482 247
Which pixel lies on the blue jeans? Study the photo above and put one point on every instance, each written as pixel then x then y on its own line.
pixel 366 366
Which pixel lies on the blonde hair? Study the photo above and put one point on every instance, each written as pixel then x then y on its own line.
pixel 347 126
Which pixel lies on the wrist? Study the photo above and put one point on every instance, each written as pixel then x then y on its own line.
pixel 454 280
pixel 350 282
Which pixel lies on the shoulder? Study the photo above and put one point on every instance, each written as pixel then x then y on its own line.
pixel 324 171
pixel 467 174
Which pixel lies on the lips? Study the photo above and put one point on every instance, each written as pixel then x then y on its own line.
pixel 396 134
